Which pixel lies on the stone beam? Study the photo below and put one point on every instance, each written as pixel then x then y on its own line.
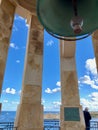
pixel 7 10
pixel 23 13
pixel 29 5
pixel 67 49
pixel 30 111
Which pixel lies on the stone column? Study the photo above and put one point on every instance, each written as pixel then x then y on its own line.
pixel 7 11
pixel 95 44
pixel 30 111
pixel 71 114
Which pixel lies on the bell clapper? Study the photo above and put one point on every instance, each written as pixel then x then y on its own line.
pixel 76 22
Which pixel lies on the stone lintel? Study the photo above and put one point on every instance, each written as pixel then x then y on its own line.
pixel 23 13
pixel 67 48
pixel 29 5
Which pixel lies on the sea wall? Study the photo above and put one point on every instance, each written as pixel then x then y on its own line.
pixel 57 115
pixel 51 116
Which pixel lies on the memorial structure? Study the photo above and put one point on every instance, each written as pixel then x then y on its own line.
pixel 29 114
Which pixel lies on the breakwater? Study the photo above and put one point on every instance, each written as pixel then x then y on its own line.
pixel 57 115
pixel 51 116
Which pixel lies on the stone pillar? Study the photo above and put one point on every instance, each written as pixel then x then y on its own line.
pixel 6 21
pixel 71 114
pixel 95 44
pixel 30 111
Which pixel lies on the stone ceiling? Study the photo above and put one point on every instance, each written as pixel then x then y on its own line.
pixel 29 5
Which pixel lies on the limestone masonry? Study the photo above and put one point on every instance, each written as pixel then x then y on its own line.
pixel 30 111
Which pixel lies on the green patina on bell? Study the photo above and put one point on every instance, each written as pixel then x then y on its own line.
pixel 57 16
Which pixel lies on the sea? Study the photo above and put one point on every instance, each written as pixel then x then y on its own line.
pixel 9 116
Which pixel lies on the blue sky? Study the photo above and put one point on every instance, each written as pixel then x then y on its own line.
pixel 51 86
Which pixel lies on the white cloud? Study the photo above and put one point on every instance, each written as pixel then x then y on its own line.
pixel 5 101
pixel 91 66
pixel 84 102
pixel 52 108
pixel 50 43
pixel 58 83
pixel 48 108
pixel 15 102
pixel 56 90
pixel 17 61
pixel 94 86
pixel 19 92
pixel 48 90
pixel 94 96
pixel 43 101
pixel 15 28
pixel 21 18
pixel 12 45
pixel 57 103
pixel 10 90
pixel 88 81
pixel 26 23
pixel 17 17
pixel 91 104
pixel 91 78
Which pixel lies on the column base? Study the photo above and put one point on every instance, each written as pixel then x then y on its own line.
pixel 71 118
pixel 29 117
pixel 31 128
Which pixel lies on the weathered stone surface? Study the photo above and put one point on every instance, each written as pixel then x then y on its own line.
pixel 31 94
pixel 33 72
pixel 70 93
pixel 6 18
pixel 68 64
pixel 28 4
pixel 29 117
pixel 30 112
pixel 69 82
pixel 69 87
pixel 6 22
pixel 95 44
pixel 72 125
pixel 67 49
pixel 52 116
